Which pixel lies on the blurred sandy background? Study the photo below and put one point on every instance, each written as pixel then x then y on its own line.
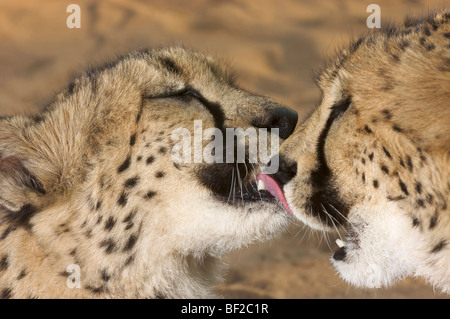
pixel 274 46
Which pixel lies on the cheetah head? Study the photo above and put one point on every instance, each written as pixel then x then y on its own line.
pixel 95 174
pixel 374 157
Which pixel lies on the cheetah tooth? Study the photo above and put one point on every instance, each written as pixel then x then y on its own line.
pixel 261 185
pixel 340 243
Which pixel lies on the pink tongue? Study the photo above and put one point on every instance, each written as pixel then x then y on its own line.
pixel 273 188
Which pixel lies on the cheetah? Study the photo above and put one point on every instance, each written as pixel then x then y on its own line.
pixel 374 156
pixel 94 206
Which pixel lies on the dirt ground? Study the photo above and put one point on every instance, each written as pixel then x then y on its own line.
pixel 274 47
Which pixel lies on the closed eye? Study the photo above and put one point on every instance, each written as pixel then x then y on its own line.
pixel 187 94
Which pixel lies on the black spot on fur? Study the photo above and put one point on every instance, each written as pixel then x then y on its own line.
pixel 433 220
pixel 375 183
pixel 367 129
pixel 131 182
pixel 129 260
pixel 129 217
pixel 416 222
pixel 162 150
pixel 4 263
pixel 403 45
pixel 133 139
pixel 402 163
pixel 98 205
pixel 395 57
pixel 110 222
pixel 385 169
pixel 160 174
pixel 123 199
pixel 429 198
pixel 6 293
pixel 150 160
pixel 403 187
pixel 418 188
pixel 427 32
pixel 105 275
pixel 99 219
pixel 387 153
pixel 22 274
pixel 363 176
pixel 387 114
pixel 109 245
pixel 363 160
pixel 150 195
pixel 139 158
pixel 129 225
pixel 447 35
pixel 439 246
pixel 130 243
pixel 430 47
pixel 396 128
pixel 95 290
pixel 371 157
pixel 420 202
pixel 433 24
pixel 88 233
pixel 409 163
pixel 124 165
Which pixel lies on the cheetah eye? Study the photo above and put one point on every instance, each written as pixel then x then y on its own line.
pixel 340 108
pixel 187 94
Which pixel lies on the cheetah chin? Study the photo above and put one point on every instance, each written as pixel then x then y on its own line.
pixel 93 204
pixel 374 156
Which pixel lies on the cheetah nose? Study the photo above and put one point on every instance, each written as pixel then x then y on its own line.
pixel 282 118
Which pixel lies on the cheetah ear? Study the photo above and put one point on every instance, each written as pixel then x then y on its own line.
pixel 19 187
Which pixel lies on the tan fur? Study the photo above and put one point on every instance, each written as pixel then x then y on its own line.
pixel 387 154
pixel 90 182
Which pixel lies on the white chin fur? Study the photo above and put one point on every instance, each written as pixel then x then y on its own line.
pixel 387 247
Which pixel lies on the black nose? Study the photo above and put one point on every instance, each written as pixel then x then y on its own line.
pixel 286 170
pixel 282 118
